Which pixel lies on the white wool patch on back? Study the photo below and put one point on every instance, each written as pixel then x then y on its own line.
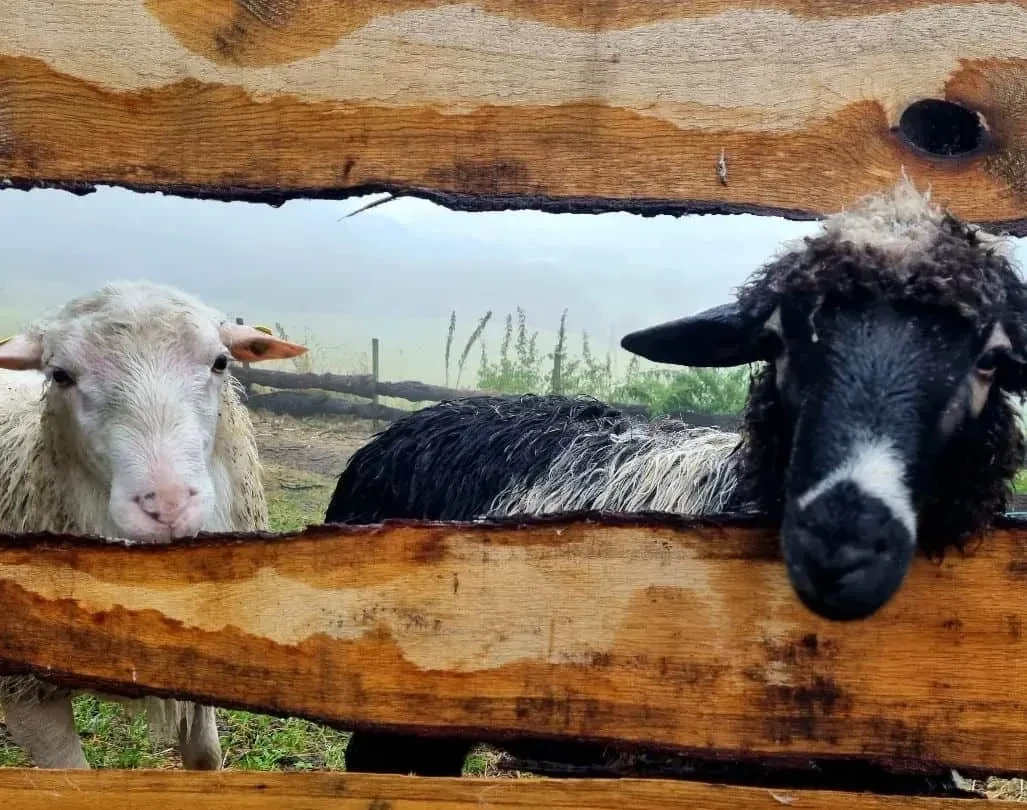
pixel 685 472
pixel 878 471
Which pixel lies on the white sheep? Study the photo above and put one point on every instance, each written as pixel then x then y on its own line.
pixel 118 418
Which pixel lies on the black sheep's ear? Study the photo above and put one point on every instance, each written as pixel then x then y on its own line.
pixel 721 336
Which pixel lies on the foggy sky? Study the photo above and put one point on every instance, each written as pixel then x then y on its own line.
pixel 407 258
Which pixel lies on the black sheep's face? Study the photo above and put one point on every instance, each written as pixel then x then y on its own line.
pixel 872 392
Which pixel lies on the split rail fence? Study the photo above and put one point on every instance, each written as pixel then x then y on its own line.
pixel 303 394
pixel 658 633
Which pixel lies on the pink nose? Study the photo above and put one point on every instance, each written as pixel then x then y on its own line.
pixel 166 504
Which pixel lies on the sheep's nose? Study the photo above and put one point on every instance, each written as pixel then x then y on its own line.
pixel 165 504
pixel 846 553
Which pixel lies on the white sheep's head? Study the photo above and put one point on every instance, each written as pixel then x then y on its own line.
pixel 134 375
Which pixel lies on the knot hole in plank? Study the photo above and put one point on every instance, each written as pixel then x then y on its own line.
pixel 942 128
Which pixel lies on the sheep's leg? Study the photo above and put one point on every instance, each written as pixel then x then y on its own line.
pixel 45 728
pixel 198 740
pixel 192 726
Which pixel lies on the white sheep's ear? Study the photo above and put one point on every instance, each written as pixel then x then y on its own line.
pixel 722 336
pixel 250 345
pixel 21 353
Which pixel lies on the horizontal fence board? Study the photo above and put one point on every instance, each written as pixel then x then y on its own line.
pixel 567 105
pixel 361 385
pixel 660 632
pixel 177 790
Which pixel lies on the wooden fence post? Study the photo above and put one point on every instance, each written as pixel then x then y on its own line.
pixel 247 386
pixel 374 379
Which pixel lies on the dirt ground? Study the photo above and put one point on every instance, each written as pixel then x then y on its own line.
pixel 321 446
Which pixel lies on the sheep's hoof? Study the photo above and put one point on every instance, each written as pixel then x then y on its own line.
pixel 202 761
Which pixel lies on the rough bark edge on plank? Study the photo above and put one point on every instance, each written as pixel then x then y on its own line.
pixel 81 789
pixel 511 523
pixel 757 523
pixel 458 201
pixel 846 775
pixel 453 200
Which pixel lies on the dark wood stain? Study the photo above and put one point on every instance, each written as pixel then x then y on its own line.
pixel 483 177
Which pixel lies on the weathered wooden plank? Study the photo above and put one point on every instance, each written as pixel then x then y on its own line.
pixel 665 633
pixel 179 790
pixel 582 105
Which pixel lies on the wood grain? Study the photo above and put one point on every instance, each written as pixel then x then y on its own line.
pixel 684 636
pixel 171 790
pixel 564 105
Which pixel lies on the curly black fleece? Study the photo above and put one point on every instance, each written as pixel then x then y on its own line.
pixel 959 273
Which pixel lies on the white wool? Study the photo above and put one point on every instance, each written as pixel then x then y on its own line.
pixel 901 221
pixel 685 471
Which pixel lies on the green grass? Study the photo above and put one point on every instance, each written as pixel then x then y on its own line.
pixel 261 743
pixel 295 498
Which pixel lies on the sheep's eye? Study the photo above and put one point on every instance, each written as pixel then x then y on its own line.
pixel 61 378
pixel 988 363
pixel 220 364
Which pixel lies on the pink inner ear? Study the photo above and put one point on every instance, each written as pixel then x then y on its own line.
pixel 251 345
pixel 21 353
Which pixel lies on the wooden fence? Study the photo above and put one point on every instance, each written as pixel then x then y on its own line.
pixel 675 637
pixel 304 394
pixel 672 635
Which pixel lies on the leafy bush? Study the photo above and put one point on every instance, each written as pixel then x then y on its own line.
pixel 521 368
pixel 707 390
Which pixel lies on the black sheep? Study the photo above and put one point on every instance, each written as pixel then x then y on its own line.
pixel 880 420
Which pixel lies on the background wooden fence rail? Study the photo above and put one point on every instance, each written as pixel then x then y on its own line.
pixel 302 394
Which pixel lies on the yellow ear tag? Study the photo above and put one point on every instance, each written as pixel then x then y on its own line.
pixel 7 339
pixel 265 329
